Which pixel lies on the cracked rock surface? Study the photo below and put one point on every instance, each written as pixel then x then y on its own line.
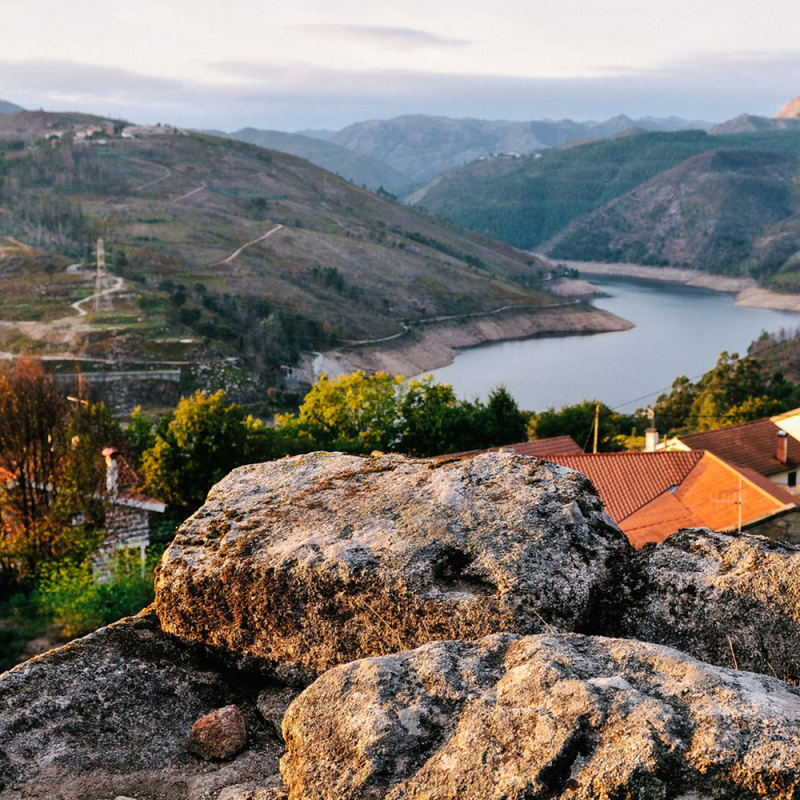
pixel 109 715
pixel 730 600
pixel 316 560
pixel 548 716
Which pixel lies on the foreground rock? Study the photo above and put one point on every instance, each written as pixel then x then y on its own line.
pixel 317 560
pixel 549 716
pixel 731 600
pixel 109 715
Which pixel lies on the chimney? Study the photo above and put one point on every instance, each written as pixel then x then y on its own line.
pixel 112 469
pixel 650 440
pixel 783 447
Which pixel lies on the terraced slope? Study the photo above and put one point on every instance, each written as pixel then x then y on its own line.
pixel 224 248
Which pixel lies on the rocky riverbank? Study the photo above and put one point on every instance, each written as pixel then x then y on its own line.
pixel 397 629
pixel 436 345
pixel 746 291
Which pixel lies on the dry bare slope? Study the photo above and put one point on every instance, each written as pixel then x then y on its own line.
pixel 185 218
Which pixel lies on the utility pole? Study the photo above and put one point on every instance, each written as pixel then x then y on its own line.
pixel 596 425
pixel 101 271
pixel 738 502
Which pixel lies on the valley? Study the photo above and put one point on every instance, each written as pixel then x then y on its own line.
pixel 226 253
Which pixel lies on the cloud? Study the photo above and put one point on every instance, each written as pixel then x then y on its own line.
pixel 299 96
pixel 396 38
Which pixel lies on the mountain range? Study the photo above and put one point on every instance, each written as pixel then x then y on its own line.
pixel 422 146
pixel 723 201
pixel 403 153
pixel 361 169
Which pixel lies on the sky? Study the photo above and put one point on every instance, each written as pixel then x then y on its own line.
pixel 314 64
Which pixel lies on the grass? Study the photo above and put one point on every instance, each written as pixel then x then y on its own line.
pixel 72 600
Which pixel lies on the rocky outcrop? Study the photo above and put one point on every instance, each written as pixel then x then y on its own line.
pixel 791 110
pixel 546 716
pixel 318 560
pixel 300 566
pixel 731 600
pixel 109 715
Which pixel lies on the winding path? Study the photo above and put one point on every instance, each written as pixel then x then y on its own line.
pixel 428 320
pixel 235 253
pixel 167 173
pixel 188 194
pixel 118 284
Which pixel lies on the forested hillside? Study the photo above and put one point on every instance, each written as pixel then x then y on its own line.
pixel 529 200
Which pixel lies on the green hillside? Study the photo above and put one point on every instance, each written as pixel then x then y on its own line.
pixel 357 167
pixel 696 215
pixel 527 201
pixel 224 249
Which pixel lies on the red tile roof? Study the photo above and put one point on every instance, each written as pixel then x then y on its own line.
pixel 652 495
pixel 627 481
pixel 753 445
pixel 538 447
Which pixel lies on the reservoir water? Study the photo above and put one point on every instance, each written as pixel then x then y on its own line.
pixel 680 330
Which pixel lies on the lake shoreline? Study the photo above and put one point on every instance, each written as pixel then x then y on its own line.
pixel 435 346
pixel 747 292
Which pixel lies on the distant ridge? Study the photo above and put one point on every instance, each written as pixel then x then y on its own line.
pixel 9 108
pixel 423 147
pixel 361 169
pixel 791 110
pixel 748 123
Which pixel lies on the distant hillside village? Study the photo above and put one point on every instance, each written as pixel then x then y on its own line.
pixel 99 132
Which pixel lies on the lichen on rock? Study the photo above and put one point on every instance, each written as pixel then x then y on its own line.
pixel 317 560
pixel 548 716
pixel 728 599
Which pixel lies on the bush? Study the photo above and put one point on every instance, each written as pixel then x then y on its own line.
pixel 80 601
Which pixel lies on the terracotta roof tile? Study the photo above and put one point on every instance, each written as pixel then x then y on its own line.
pixel 659 519
pixel 650 496
pixel 627 481
pixel 538 447
pixel 753 445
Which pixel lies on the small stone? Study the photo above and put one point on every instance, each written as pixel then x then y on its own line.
pixel 220 735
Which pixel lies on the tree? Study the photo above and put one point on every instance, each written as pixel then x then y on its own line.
pixel 577 421
pixel 735 390
pixel 51 464
pixel 502 421
pixel 205 439
pixel 434 420
pixel 355 413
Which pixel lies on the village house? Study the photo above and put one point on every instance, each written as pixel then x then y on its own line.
pixel 652 495
pixel 128 513
pixel 763 446
pixel 538 447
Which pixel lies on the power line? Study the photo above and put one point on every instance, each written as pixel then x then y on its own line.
pixel 697 377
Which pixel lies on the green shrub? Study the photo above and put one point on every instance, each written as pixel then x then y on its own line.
pixel 80 599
